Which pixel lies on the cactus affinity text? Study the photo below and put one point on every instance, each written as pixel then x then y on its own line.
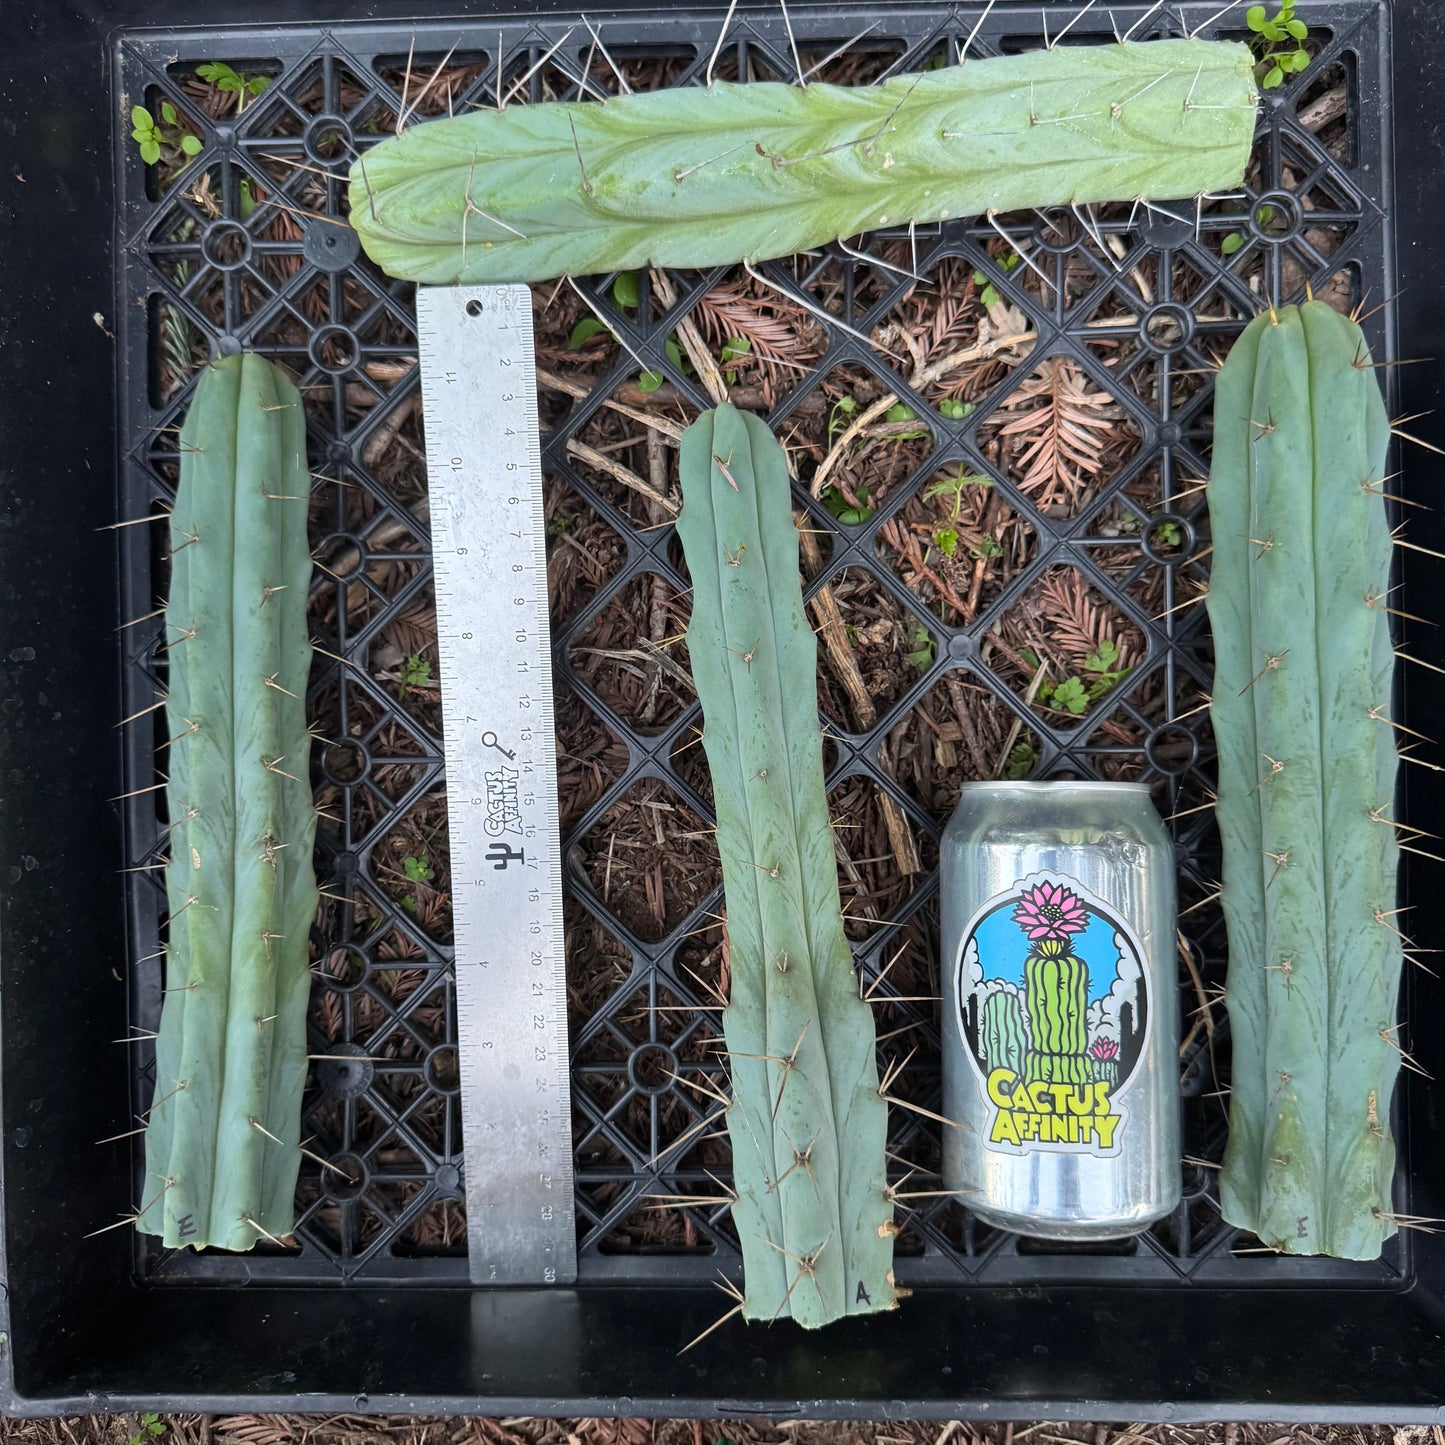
pixel 1307 762
pixel 710 176
pixel 807 1120
pixel 222 1143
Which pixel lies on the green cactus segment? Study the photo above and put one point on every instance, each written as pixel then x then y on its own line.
pixel 222 1143
pixel 1005 1040
pixel 1105 1071
pixel 1056 992
pixel 807 1122
pixel 701 177
pixel 1307 763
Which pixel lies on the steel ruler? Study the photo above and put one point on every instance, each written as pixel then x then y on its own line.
pixel 489 558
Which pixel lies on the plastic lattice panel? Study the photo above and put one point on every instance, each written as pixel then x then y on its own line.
pixel 1006 544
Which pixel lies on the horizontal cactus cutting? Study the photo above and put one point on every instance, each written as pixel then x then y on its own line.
pixel 701 176
pixel 1303 674
pixel 223 1129
pixel 807 1119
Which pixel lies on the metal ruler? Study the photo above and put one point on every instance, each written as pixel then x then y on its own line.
pixel 489 558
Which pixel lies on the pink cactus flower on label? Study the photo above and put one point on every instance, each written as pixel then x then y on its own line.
pixel 1104 1048
pixel 1049 910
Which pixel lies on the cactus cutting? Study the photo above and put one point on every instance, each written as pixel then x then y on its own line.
pixel 222 1142
pixel 807 1119
pixel 1307 764
pixel 702 176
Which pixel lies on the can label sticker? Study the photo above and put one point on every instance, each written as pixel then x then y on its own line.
pixel 1054 1012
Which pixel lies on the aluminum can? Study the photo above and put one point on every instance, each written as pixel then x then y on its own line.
pixel 1061 1008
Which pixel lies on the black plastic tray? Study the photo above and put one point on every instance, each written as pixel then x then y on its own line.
pixel 1185 1321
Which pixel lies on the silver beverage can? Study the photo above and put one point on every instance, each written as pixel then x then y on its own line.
pixel 1061 1008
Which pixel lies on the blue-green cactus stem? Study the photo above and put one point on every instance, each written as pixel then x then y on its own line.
pixel 711 176
pixel 1307 765
pixel 807 1121
pixel 222 1142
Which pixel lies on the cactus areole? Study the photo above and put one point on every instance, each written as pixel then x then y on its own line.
pixel 807 1120
pixel 742 172
pixel 1307 764
pixel 222 1141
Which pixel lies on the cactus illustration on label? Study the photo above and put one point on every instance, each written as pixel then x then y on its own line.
pixel 222 1141
pixel 807 1118
pixel 1056 991
pixel 1307 762
pixel 703 176
pixel 1104 1060
pixel 1005 1039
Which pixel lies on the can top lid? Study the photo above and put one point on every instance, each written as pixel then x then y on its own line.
pixel 1054 784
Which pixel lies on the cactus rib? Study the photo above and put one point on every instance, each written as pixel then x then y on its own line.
pixel 696 177
pixel 222 1143
pixel 1307 765
pixel 807 1121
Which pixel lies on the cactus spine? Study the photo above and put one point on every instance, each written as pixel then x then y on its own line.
pixel 222 1144
pixel 807 1120
pixel 700 177
pixel 1005 1040
pixel 1307 763
pixel 1056 991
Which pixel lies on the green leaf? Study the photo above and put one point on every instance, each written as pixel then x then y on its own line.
pixel 626 292
pixel 257 83
pixel 216 71
pixel 989 547
pixel 676 355
pixel 1103 657
pixel 840 507
pixel 141 118
pixel 649 380
pixel 979 279
pixel 954 409
pixel 1010 261
pixel 946 540
pixel 1254 17
pixel 1021 760
pixel 1296 59
pixel 150 151
pixel 922 655
pixel 248 199
pixel 1274 77
pixel 900 411
pixel 191 144
pixel 734 347
pixel 989 295
pixel 1070 696
pixel 584 331
pixel 1297 29
pixel 168 113
pixel 1232 242
pixel 418 870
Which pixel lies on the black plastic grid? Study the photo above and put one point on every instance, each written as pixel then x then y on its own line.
pixel 1099 290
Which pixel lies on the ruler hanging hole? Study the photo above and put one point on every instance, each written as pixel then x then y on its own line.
pixel 474 308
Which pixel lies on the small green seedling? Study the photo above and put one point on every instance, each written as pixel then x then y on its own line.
pixel 954 409
pixel 626 291
pixel 1276 43
pixel 845 511
pixel 585 330
pixel 1232 242
pixel 1021 760
pixel 733 349
pixel 151 1425
pixel 417 870
pixel 988 547
pixel 1102 662
pixel 148 133
pixel 415 672
pixel 1167 534
pixel 901 411
pixel 946 540
pixel 921 640
pixel 651 380
pixel 839 416
pixel 232 82
pixel 953 486
pixel 988 293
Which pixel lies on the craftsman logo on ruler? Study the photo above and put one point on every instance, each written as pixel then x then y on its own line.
pixel 479 403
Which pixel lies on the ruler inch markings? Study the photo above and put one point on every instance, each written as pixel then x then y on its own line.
pixel 489 561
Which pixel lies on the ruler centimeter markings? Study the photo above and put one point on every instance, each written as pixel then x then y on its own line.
pixel 489 560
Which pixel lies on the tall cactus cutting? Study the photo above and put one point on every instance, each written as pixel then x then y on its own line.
pixel 1307 768
pixel 222 1144
pixel 807 1120
pixel 710 176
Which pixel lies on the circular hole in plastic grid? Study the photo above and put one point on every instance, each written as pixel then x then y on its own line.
pixel 443 1071
pixel 1172 748
pixel 333 349
pixel 328 138
pixel 1168 327
pixel 344 1072
pixel 1169 538
pixel 344 763
pixel 1276 216
pixel 651 1068
pixel 347 1178
pixel 226 245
